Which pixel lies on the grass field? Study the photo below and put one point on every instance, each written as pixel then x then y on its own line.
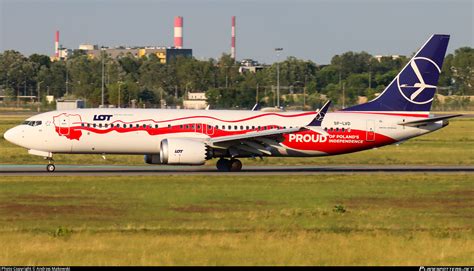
pixel 361 219
pixel 452 145
pixel 400 219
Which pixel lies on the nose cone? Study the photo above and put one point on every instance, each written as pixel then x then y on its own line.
pixel 12 135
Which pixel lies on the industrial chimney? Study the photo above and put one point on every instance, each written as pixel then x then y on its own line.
pixel 232 49
pixel 178 32
pixel 56 44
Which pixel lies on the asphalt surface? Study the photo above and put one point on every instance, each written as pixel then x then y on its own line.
pixel 78 170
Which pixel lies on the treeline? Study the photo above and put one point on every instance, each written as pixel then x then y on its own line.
pixel 149 82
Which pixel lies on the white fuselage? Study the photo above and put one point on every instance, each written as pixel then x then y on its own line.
pixel 140 131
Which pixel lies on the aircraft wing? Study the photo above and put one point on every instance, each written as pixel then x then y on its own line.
pixel 256 142
pixel 271 132
pixel 427 120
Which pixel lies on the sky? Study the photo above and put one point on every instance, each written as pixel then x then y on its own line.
pixel 311 30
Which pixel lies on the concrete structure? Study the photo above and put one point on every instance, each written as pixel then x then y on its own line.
pixel 232 48
pixel 249 65
pixel 69 104
pixel 88 47
pixel 164 54
pixel 196 100
pixel 379 57
pixel 178 32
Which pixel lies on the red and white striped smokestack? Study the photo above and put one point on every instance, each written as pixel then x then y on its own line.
pixel 232 49
pixel 56 44
pixel 178 32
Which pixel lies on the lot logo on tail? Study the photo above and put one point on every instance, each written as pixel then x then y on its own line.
pixel 419 87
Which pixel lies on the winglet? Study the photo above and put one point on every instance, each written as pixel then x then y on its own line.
pixel 315 124
pixel 320 116
pixel 256 107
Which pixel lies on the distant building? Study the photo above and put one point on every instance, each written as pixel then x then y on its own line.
pixel 196 100
pixel 69 104
pixel 164 54
pixel 393 57
pixel 249 65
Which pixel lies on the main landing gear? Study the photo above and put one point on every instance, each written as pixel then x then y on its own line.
pixel 50 167
pixel 227 165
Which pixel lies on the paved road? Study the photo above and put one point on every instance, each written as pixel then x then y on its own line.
pixel 77 170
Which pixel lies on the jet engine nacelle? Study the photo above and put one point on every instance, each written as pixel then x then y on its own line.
pixel 183 151
pixel 152 159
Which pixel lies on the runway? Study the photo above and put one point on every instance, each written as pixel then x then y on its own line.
pixel 79 170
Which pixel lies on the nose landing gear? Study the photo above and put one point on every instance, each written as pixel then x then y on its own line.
pixel 50 167
pixel 226 165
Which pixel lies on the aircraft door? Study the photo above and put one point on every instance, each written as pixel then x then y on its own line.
pixel 209 129
pixel 370 131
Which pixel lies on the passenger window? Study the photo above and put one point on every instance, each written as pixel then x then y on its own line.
pixel 169 125
pixel 241 127
pixel 337 129
pixel 253 127
pixel 82 124
pixel 124 125
pixel 246 127
pixel 192 126
pixel 199 126
pixel 235 127
pixel 331 129
pixel 95 125
pixel 156 125
pixel 186 126
pixel 343 129
pixel 181 126
pixel 144 125
pixel 230 127
pixel 131 126
pixel 209 127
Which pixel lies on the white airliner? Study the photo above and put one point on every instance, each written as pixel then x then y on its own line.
pixel 190 137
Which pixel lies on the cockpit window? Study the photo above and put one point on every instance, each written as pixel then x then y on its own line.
pixel 32 122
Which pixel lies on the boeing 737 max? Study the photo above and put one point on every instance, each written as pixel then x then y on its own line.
pixel 190 137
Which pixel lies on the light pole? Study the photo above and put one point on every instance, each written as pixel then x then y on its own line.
pixel 67 81
pixel 278 50
pixel 118 100
pixel 39 96
pixel 102 56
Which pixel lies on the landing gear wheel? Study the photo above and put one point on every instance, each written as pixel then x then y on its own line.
pixel 50 168
pixel 235 165
pixel 223 164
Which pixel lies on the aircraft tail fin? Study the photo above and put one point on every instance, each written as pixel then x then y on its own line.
pixel 414 87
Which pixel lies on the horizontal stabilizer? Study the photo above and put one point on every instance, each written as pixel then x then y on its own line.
pixel 428 120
